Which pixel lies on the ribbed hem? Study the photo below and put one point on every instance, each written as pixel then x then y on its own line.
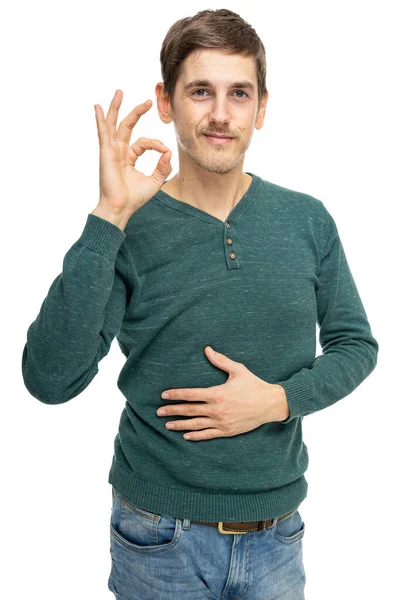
pixel 297 395
pixel 206 506
pixel 102 236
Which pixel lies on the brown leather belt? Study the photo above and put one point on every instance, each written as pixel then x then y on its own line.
pixel 231 527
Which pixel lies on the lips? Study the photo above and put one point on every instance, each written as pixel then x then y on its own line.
pixel 224 137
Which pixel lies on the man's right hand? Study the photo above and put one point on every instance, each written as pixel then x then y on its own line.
pixel 124 189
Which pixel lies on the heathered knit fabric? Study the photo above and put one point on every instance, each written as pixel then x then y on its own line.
pixel 177 279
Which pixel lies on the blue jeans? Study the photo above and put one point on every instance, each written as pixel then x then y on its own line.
pixel 158 557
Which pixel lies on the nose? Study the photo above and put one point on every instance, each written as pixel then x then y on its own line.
pixel 219 112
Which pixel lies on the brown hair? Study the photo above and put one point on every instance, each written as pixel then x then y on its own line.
pixel 220 28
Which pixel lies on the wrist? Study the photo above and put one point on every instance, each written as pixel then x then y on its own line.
pixel 118 218
pixel 283 409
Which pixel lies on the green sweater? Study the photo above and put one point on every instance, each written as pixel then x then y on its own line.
pixel 176 280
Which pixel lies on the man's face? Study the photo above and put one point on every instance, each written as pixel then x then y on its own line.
pixel 215 107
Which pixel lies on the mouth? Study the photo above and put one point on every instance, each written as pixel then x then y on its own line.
pixel 223 137
pixel 218 139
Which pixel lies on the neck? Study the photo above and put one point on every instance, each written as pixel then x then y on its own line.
pixel 214 193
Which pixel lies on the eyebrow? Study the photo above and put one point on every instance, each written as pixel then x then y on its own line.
pixel 206 83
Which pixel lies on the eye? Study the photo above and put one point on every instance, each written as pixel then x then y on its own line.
pixel 242 92
pixel 203 90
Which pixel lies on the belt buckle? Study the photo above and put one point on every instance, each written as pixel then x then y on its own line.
pixel 222 530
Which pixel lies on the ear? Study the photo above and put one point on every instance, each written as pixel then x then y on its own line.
pixel 163 104
pixel 261 111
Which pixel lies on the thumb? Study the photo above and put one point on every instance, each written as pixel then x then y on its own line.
pixel 166 157
pixel 221 360
pixel 163 168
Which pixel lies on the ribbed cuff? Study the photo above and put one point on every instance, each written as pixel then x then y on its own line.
pixel 297 396
pixel 102 236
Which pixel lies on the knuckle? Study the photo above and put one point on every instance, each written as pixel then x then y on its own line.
pixel 219 396
pixel 148 143
pixel 229 426
pixel 221 411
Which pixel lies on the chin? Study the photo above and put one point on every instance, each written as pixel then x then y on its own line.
pixel 216 166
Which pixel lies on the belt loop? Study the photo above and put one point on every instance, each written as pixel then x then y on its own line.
pixel 186 524
pixel 274 522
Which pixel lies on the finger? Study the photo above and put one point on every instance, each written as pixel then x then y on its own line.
pixel 192 424
pixel 162 170
pixel 179 410
pixel 205 434
pixel 112 114
pixel 102 128
pixel 185 394
pixel 125 127
pixel 143 144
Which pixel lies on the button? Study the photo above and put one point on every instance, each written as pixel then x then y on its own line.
pixel 232 255
pixel 229 241
pixel 228 225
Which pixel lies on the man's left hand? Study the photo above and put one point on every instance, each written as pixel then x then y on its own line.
pixel 242 403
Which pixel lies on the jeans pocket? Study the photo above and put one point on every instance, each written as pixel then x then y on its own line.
pixel 290 529
pixel 141 530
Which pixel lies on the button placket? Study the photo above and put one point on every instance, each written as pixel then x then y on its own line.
pixel 232 261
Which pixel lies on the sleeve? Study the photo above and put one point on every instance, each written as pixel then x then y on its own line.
pixel 80 315
pixel 349 350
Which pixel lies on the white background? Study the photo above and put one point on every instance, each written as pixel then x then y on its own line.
pixel 331 130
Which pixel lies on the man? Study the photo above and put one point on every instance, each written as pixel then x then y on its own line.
pixel 215 259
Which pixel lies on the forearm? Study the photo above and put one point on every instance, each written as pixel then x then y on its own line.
pixel 79 317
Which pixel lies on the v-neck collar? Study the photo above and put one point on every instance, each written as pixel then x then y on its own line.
pixel 235 214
